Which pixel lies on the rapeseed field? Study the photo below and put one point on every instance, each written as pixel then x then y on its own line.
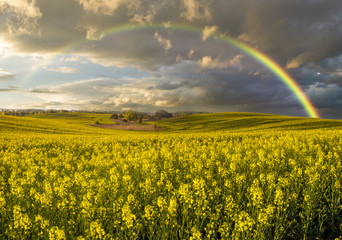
pixel 65 180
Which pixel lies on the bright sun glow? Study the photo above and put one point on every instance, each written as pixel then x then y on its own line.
pixel 5 48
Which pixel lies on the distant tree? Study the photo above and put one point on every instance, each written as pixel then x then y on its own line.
pixel 114 116
pixel 128 115
pixel 131 115
pixel 162 114
pixel 145 116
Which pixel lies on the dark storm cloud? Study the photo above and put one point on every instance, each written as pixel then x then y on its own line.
pixel 230 87
pixel 326 95
pixel 294 32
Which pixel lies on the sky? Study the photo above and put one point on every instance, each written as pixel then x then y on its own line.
pixel 62 55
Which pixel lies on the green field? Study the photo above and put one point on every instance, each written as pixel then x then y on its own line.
pixel 207 176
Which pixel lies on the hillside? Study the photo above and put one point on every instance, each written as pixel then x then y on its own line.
pixel 245 122
pixel 54 123
pixel 83 123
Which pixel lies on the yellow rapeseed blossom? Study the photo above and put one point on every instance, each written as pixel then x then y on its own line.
pixel 226 185
pixel 56 233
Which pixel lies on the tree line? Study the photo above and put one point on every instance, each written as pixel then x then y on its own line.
pixel 140 116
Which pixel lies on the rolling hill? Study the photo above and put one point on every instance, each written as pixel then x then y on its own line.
pixel 82 123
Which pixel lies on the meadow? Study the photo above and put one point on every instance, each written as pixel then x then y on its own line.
pixel 208 176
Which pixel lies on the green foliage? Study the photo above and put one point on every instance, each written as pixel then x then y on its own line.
pixel 162 114
pixel 114 116
pixel 131 115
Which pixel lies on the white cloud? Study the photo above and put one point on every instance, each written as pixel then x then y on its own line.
pixel 208 30
pixel 5 48
pixel 22 15
pixel 93 34
pixel 165 43
pixel 142 18
pixel 21 7
pixel 236 60
pixel 196 10
pixel 216 63
pixel 190 53
pixel 63 69
pixel 101 6
pixel 208 62
pixel 109 7
pixel 4 72
pixel 72 59
pixel 6 75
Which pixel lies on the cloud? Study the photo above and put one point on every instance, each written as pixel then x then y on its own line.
pixel 47 105
pixel 208 62
pixel 165 43
pixel 208 30
pixel 72 59
pixel 6 75
pixel 3 71
pixel 298 60
pixel 142 19
pixel 178 87
pixel 22 16
pixel 106 7
pixel 190 53
pixel 280 28
pixel 325 95
pixel 43 91
pixel 10 89
pixel 293 35
pixel 196 10
pixel 64 69
pixel 5 48
pixel 304 36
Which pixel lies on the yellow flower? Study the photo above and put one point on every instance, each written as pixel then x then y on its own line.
pixel 56 234
pixel 96 231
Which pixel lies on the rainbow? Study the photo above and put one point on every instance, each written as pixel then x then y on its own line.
pixel 262 58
